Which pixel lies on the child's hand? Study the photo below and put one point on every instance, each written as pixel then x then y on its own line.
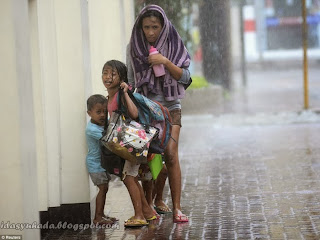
pixel 124 86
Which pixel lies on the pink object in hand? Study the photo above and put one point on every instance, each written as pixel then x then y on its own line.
pixel 159 68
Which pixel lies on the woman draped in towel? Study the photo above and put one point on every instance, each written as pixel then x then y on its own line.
pixel 152 28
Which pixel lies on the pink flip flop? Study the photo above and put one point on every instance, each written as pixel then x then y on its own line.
pixel 180 218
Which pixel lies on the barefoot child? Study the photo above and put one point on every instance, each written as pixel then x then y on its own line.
pixel 96 109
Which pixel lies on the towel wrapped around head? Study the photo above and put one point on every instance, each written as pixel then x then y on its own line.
pixel 170 45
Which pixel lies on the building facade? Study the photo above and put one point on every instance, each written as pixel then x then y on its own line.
pixel 52 53
pixel 273 29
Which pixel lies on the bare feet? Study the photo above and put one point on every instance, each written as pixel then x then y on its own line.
pixel 102 221
pixel 110 218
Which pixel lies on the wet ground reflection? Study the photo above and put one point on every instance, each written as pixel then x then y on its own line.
pixel 245 176
pixel 247 182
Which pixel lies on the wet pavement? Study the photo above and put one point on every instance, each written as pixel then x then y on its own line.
pixel 250 173
pixel 271 90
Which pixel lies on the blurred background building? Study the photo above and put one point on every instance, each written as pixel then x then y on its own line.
pixel 273 29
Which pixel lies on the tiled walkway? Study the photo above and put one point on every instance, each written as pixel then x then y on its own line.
pixel 242 179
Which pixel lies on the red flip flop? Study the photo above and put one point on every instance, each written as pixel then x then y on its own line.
pixel 180 218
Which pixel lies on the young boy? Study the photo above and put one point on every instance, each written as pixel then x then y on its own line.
pixel 96 109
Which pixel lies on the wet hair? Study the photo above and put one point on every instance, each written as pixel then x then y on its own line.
pixel 151 13
pixel 95 99
pixel 120 67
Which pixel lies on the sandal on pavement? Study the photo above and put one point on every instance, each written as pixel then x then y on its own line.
pixel 131 222
pixel 163 209
pixel 180 218
pixel 156 214
pixel 154 217
pixel 129 219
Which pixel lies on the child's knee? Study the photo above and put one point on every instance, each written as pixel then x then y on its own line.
pixel 103 188
pixel 128 180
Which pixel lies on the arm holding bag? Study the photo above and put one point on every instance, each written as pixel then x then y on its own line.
pixel 128 138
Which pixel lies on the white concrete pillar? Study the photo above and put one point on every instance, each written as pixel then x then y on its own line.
pixel 51 98
pixel 110 24
pixel 127 10
pixel 71 78
pixel 18 172
pixel 38 107
pixel 59 75
pixel 86 48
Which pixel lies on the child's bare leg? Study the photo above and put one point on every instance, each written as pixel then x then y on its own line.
pixel 135 195
pixel 148 191
pixel 158 190
pixel 146 208
pixel 100 202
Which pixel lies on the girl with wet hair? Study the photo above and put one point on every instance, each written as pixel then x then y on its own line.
pixel 119 67
pixel 114 78
pixel 153 28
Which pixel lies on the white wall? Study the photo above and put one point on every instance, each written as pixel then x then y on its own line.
pixel 110 24
pixel 74 186
pixel 50 102
pixel 10 171
pixel 38 106
pixel 18 174
pixel 51 53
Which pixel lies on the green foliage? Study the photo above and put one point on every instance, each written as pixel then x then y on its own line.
pixel 198 82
